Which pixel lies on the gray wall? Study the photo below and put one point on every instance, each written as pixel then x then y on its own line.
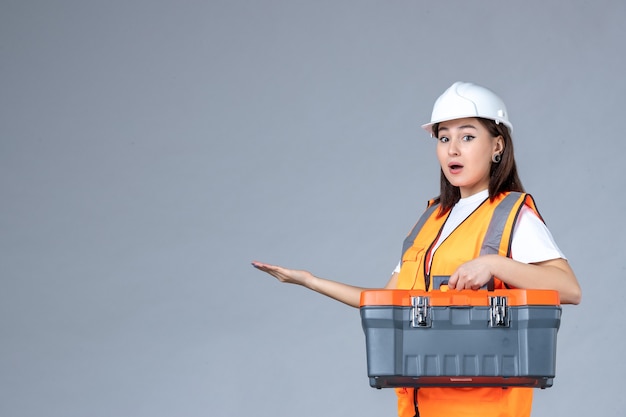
pixel 149 150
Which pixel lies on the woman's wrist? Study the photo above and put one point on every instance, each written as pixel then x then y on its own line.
pixel 311 282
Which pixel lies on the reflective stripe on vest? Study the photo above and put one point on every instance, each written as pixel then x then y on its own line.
pixel 493 239
pixel 418 226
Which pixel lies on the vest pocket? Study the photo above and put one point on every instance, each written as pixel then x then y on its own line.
pixel 410 269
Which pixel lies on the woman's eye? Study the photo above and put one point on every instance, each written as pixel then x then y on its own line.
pixel 443 139
pixel 467 138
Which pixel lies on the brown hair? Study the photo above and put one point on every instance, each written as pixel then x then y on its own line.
pixel 503 174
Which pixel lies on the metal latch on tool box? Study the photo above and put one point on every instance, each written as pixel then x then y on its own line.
pixel 420 313
pixel 499 312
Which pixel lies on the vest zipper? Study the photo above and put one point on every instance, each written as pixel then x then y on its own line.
pixel 428 259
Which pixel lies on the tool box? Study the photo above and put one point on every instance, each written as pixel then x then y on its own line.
pixel 462 338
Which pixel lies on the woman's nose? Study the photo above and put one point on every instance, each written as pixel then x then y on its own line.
pixel 453 147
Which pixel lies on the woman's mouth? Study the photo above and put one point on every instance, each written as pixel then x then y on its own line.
pixel 454 167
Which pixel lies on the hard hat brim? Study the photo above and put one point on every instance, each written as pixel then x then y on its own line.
pixel 428 127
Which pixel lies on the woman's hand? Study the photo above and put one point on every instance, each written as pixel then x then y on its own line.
pixel 291 276
pixel 554 274
pixel 472 274
pixel 347 294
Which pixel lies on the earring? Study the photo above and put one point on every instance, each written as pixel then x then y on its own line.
pixel 496 158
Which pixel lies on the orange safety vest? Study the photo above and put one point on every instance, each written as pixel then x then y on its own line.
pixel 487 230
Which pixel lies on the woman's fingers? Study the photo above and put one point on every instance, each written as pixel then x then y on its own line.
pixel 292 276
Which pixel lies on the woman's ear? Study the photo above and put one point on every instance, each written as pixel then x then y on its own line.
pixel 499 145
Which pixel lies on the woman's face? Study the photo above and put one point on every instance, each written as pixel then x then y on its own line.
pixel 465 150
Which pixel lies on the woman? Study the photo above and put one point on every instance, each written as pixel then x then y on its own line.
pixel 478 174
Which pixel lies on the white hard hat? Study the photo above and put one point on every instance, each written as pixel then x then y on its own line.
pixel 468 100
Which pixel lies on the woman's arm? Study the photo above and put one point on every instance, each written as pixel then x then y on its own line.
pixel 347 294
pixel 555 274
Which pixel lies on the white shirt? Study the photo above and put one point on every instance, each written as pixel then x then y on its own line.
pixel 532 241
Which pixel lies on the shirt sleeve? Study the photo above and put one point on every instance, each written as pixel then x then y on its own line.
pixel 532 241
pixel 397 270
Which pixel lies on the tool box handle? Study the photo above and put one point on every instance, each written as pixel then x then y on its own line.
pixel 442 281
